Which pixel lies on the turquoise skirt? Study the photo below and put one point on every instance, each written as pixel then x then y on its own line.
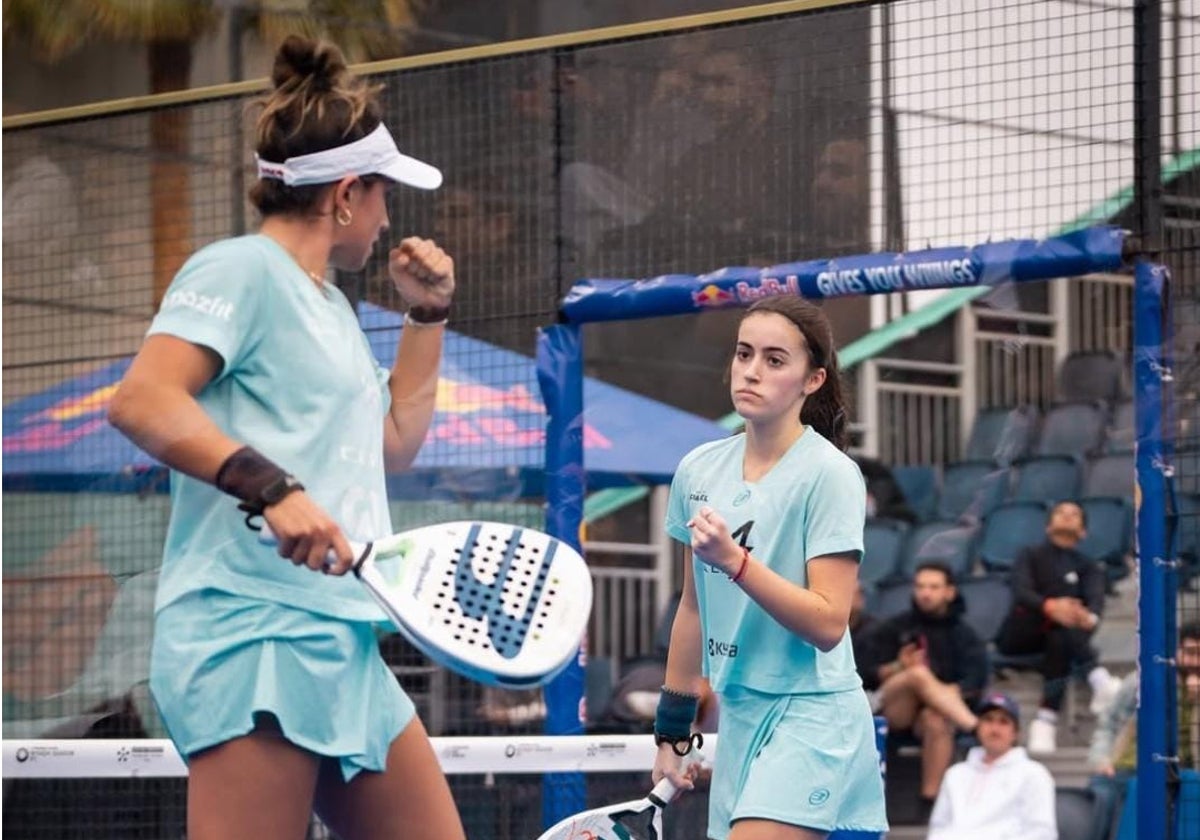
pixel 802 759
pixel 218 659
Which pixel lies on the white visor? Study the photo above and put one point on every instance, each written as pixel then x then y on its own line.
pixel 375 154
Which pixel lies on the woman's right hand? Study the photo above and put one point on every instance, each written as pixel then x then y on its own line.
pixel 668 764
pixel 307 535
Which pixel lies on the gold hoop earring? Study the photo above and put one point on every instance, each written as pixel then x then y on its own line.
pixel 344 217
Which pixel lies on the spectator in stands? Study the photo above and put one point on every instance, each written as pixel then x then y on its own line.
pixel 929 665
pixel 713 157
pixel 1113 751
pixel 884 496
pixel 998 792
pixel 1058 598
pixel 841 188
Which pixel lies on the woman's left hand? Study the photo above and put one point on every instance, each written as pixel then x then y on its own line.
pixel 711 541
pixel 422 273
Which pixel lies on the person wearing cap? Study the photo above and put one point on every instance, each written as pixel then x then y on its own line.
pixel 257 387
pixel 998 792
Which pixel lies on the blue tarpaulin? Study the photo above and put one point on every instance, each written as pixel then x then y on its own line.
pixel 487 439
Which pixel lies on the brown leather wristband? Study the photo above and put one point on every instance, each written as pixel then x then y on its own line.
pixel 256 480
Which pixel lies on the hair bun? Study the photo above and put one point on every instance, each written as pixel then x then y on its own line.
pixel 302 59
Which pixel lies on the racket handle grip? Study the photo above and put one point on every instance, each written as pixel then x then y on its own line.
pixel 267 537
pixel 665 790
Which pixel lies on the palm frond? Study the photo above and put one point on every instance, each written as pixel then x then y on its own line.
pixel 55 28
pixel 365 30
pixel 52 29
pixel 154 20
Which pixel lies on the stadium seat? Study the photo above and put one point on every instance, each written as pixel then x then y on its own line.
pixel 919 484
pixel 1091 375
pixel 948 543
pixel 1078 814
pixel 1109 475
pixel 1008 529
pixel 1109 533
pixel 1120 434
pixel 605 677
pixel 890 600
pixel 971 488
pixel 987 600
pixel 884 541
pixel 1002 434
pixel 1049 478
pixel 1072 429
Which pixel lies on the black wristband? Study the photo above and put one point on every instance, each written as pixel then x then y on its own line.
pixel 256 480
pixel 428 314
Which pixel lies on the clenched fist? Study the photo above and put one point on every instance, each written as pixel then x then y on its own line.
pixel 422 273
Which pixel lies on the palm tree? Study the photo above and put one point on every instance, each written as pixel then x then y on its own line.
pixel 364 29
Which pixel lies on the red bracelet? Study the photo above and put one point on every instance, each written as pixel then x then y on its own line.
pixel 742 568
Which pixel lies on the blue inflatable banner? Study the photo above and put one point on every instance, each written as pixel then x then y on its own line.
pixel 1081 252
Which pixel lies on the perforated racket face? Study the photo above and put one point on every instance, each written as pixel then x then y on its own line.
pixel 509 600
pixel 638 820
pixel 499 593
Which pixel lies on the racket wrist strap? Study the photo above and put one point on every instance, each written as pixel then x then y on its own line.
pixel 256 480
pixel 673 721
pixel 427 316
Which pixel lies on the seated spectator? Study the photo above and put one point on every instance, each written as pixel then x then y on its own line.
pixel 884 496
pixel 1113 751
pixel 998 792
pixel 1058 598
pixel 929 664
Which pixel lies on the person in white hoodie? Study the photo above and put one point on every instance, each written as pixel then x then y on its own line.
pixel 998 792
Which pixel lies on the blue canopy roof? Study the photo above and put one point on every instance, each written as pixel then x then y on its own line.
pixel 486 440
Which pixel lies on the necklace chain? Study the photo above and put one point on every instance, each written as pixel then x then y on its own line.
pixel 319 279
pixel 312 275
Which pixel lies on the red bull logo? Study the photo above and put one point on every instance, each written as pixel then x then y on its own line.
pixel 455 397
pixel 713 295
pixel 73 408
pixel 63 423
pixel 767 287
pixel 472 414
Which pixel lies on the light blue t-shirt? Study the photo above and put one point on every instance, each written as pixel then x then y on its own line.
pixel 811 503
pixel 300 385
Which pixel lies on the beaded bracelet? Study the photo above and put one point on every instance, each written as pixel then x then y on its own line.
pixel 741 572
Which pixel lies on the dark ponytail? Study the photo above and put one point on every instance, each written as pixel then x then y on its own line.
pixel 825 409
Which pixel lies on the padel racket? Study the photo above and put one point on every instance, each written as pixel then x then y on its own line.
pixel 637 819
pixel 501 605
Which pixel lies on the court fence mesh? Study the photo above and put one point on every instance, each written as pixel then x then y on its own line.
pixel 763 139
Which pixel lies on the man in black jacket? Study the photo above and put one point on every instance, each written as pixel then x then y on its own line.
pixel 1058 598
pixel 928 665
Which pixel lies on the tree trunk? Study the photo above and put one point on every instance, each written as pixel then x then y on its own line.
pixel 170 64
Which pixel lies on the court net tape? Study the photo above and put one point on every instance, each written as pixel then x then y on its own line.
pixel 146 758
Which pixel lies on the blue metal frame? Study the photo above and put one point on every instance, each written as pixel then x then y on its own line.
pixel 1156 606
pixel 560 374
